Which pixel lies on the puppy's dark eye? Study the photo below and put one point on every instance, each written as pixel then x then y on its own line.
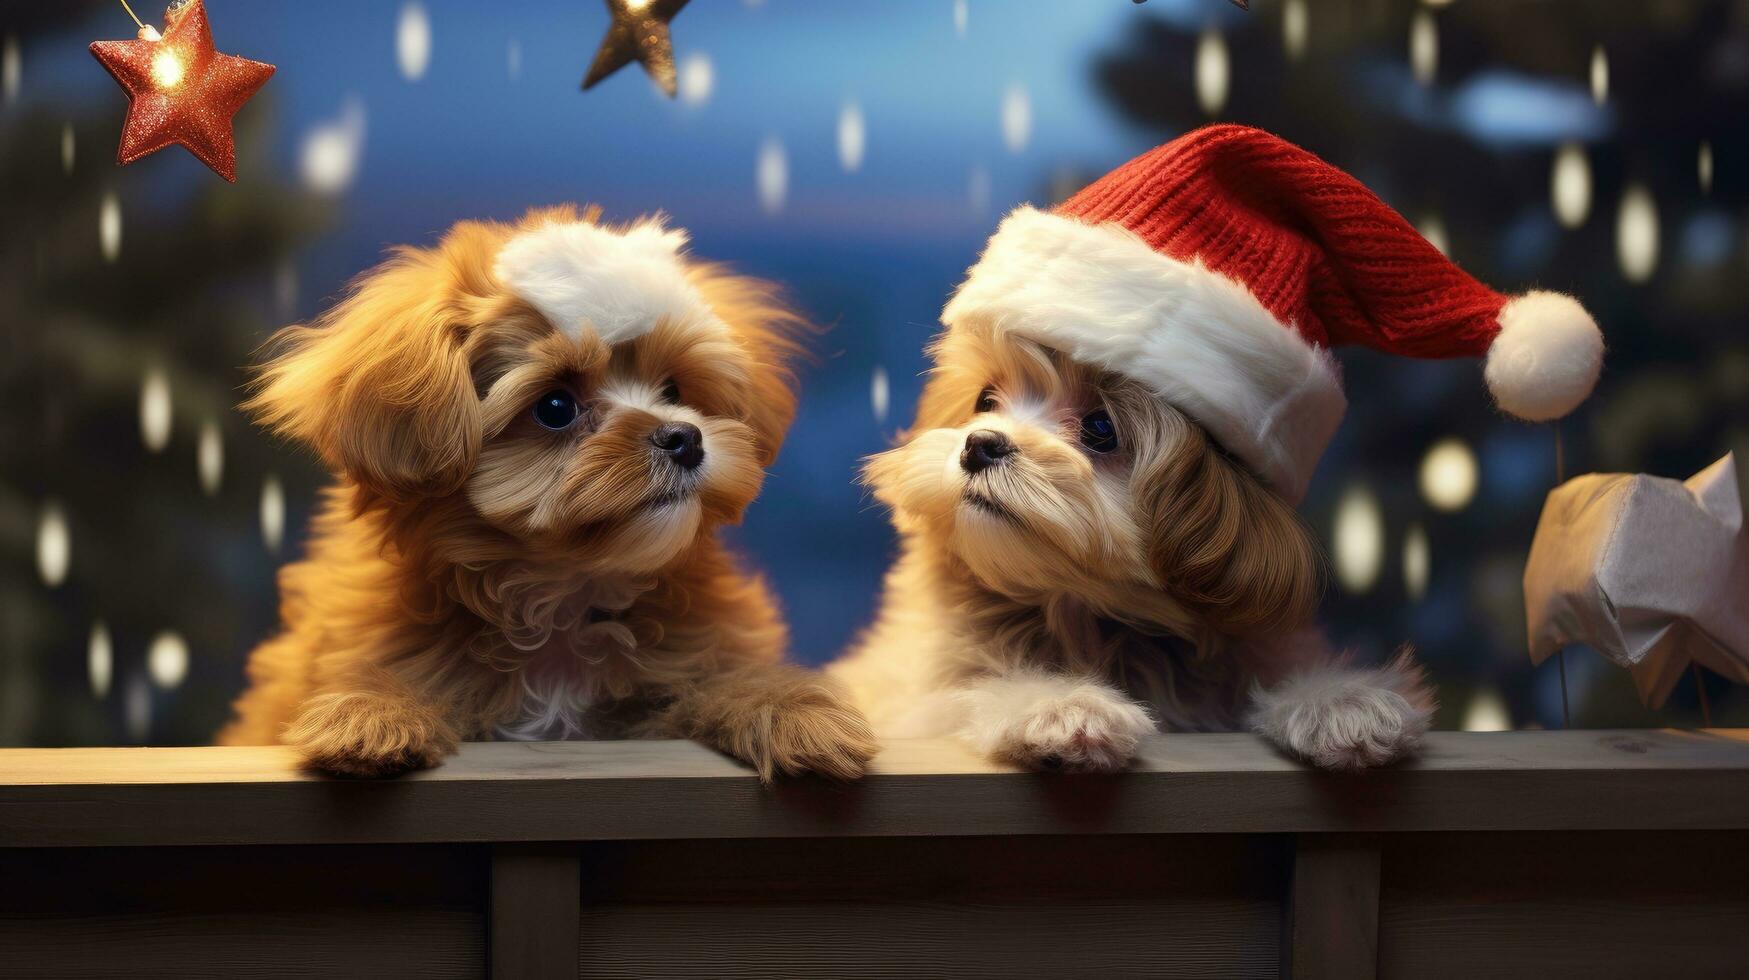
pixel 671 392
pixel 556 409
pixel 986 401
pixel 1098 432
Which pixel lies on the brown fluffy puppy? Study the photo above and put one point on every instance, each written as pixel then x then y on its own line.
pixel 536 429
pixel 1081 564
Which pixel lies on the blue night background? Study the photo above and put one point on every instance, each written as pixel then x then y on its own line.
pixel 859 154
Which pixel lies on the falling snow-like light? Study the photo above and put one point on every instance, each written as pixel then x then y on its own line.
pixel 54 544
pixel 285 287
pixel 852 137
pixel 1357 542
pixel 513 59
pixel 167 659
pixel 1296 23
pixel 137 708
pixel 67 148
pixel 413 41
pixel 329 159
pixel 1570 185
pixel 11 68
pixel 1704 166
pixel 1487 712
pixel 155 410
pixel 1016 117
pixel 1448 475
pixel 879 393
pixel 960 16
pixel 698 79
pixel 771 174
pixel 1417 562
pixel 272 513
pixel 209 457
pixel 99 660
pixel 109 226
pixel 978 189
pixel 1636 234
pixel 1599 75
pixel 1424 47
pixel 1213 72
pixel 1432 228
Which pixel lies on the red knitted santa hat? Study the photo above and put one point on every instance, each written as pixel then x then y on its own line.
pixel 1221 267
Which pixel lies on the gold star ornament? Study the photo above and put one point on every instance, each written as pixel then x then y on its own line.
pixel 638 32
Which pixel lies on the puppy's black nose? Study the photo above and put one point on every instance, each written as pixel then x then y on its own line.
pixel 985 448
pixel 682 441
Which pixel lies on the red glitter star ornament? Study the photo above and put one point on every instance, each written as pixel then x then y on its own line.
pixel 180 90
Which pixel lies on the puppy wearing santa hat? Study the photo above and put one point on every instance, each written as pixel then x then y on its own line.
pixel 1096 502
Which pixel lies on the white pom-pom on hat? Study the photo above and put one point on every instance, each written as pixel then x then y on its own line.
pixel 1546 358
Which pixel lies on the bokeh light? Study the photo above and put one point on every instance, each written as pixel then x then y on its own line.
pixel 413 41
pixel 698 79
pixel 99 660
pixel 1296 28
pixel 1357 540
pixel 1432 228
pixel 878 393
pixel 1213 72
pixel 155 409
pixel 1417 562
pixel 272 513
pixel 54 544
pixel 331 150
pixel 1570 185
pixel 209 457
pixel 1599 75
pixel 109 226
pixel 1636 234
pixel 167 660
pixel 771 175
pixel 1424 47
pixel 1016 117
pixel 1487 712
pixel 11 69
pixel 1448 475
pixel 852 137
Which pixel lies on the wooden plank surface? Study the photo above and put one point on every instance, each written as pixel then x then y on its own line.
pixel 1593 905
pixel 189 912
pixel 1333 908
pixel 533 931
pixel 1598 780
pixel 1041 906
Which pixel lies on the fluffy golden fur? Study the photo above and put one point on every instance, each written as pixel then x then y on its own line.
pixel 473 573
pixel 1053 606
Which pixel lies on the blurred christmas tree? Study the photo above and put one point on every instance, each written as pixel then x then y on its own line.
pixel 132 304
pixel 1567 145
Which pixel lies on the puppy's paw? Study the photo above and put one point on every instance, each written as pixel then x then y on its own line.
pixel 367 734
pixel 779 719
pixel 1344 718
pixel 812 729
pixel 1054 723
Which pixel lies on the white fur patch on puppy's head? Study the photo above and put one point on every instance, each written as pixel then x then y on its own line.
pixel 617 283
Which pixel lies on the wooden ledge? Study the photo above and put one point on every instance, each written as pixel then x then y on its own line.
pixel 511 791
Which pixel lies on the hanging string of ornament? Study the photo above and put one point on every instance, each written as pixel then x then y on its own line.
pixel 180 90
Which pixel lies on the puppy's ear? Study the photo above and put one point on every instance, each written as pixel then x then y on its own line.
pixel 769 332
pixel 1222 543
pixel 380 384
